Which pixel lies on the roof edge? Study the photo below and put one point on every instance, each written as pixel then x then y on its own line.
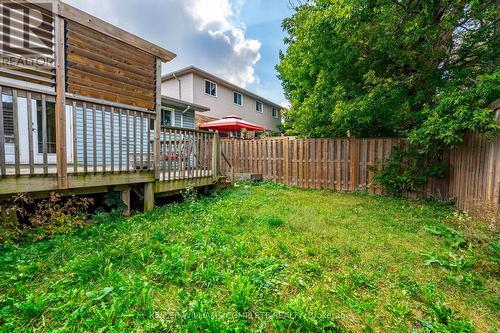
pixel 183 104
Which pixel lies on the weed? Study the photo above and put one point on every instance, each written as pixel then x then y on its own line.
pixel 274 221
pixel 399 310
pixel 44 218
pixel 243 293
pixel 208 276
pixel 452 238
pixel 451 260
pixel 495 252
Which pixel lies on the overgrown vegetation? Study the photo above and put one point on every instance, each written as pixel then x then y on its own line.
pixel 24 218
pixel 260 258
pixel 407 169
pixel 425 70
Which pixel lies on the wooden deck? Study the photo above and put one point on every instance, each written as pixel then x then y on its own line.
pixel 40 170
pixel 110 148
pixel 46 180
pixel 82 122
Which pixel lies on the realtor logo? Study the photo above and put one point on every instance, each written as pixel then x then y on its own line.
pixel 27 33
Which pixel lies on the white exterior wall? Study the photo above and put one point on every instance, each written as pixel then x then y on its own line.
pixel 222 105
pixel 170 88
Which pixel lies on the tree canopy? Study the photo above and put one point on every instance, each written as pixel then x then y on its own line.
pixel 426 69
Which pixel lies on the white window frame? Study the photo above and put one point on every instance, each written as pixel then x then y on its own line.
pixel 205 88
pixel 261 107
pixel 235 92
pixel 275 112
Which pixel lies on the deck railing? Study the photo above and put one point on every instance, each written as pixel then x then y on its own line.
pixel 27 132
pixel 109 139
pixel 185 153
pixel 102 139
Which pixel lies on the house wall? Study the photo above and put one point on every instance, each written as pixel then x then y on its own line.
pixel 184 120
pixel 223 105
pixel 170 88
pixel 193 91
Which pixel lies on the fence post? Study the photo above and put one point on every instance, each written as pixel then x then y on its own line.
pixel 286 148
pixel 215 157
pixel 353 157
pixel 125 196
pixel 60 106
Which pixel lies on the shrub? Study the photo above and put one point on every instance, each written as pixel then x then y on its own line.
pixel 407 170
pixel 43 218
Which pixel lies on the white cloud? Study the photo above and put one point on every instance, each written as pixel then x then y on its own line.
pixel 220 19
pixel 210 12
pixel 205 33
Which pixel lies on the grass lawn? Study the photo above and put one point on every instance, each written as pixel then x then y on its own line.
pixel 260 258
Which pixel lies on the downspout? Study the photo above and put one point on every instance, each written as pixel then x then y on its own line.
pixel 180 84
pixel 182 117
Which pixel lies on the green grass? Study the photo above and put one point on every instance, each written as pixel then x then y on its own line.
pixel 260 258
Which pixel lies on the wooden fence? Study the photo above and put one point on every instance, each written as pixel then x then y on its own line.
pixel 344 165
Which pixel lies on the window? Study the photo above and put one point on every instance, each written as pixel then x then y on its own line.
pixel 238 99
pixel 8 118
pixel 50 121
pixel 259 107
pixel 166 117
pixel 275 112
pixel 210 88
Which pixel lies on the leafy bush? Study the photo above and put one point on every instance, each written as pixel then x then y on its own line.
pixel 407 170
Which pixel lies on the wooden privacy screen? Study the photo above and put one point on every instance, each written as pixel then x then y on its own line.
pixel 102 67
pixel 26 43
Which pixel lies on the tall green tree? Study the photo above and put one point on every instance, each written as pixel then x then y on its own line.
pixel 426 69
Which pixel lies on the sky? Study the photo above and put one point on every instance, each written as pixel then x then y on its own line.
pixel 238 40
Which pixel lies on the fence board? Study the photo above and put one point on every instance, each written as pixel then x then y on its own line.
pixel 473 178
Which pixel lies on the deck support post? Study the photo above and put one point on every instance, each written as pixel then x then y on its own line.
pixel 125 197
pixel 60 106
pixel 157 120
pixel 149 197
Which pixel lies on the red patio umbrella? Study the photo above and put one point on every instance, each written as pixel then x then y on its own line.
pixel 231 124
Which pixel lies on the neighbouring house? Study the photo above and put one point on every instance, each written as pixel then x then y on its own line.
pixel 194 85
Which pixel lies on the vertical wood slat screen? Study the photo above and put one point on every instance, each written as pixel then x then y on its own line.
pixel 345 165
